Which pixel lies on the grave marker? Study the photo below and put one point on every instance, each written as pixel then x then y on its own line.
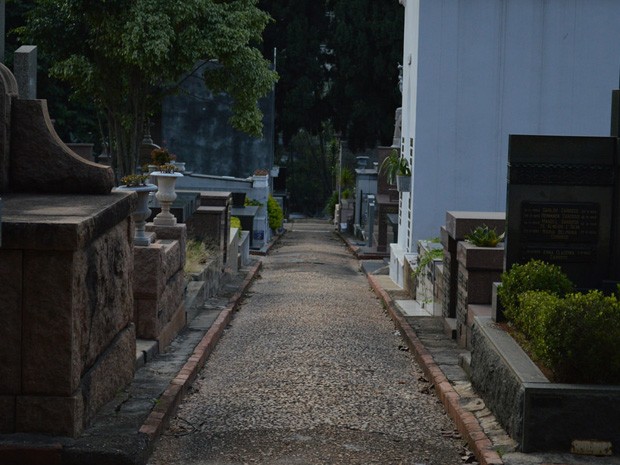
pixel 25 70
pixel 562 205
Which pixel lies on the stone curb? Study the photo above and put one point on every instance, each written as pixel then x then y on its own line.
pixel 167 404
pixel 466 422
pixel 356 250
pixel 264 252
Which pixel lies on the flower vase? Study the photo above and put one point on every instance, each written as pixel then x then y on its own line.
pixel 165 196
pixel 141 213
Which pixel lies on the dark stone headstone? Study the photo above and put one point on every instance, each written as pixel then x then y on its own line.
pixel 561 208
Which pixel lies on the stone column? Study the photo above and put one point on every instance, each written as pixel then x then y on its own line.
pixel 25 70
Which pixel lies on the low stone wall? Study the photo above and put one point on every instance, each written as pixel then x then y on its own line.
pixel 211 275
pixel 538 414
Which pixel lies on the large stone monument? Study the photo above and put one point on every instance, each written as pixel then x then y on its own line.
pixel 67 341
pixel 562 196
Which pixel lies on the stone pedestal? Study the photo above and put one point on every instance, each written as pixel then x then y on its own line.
pixel 478 269
pixel 159 285
pixel 67 341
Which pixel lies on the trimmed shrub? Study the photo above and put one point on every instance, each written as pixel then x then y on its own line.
pixel 574 336
pixel 275 213
pixel 534 275
pixel 535 310
pixel 582 333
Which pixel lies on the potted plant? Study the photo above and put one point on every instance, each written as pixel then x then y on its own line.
pixel 161 156
pixel 166 177
pixel 397 171
pixel 137 183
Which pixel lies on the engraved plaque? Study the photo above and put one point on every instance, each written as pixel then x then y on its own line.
pixel 560 222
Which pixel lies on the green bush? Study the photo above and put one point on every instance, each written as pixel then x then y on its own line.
pixel 573 334
pixel 235 222
pixel 330 208
pixel 275 213
pixel 535 310
pixel 581 334
pixel 535 275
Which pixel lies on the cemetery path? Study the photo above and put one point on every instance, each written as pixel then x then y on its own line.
pixel 311 371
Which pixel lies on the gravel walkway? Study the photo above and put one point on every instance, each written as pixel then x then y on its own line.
pixel 311 371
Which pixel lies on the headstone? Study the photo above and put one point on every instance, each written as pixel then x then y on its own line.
pixel 370 227
pixel 561 207
pixel 25 70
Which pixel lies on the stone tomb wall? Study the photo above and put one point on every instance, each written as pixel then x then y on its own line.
pixel 67 342
pixel 159 284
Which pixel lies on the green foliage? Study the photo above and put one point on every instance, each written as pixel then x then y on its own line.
pixel 235 222
pixel 534 275
pixel 366 37
pixel 425 259
pixel 347 178
pixel 134 180
pixel 126 55
pixel 161 156
pixel 197 254
pixel 75 120
pixel 275 213
pixel 482 236
pixel 346 194
pixel 575 336
pixel 330 207
pixel 167 168
pixel 299 34
pixel 249 202
pixel 394 165
pixel 312 170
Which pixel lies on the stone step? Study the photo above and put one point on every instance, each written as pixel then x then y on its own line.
pixel 449 327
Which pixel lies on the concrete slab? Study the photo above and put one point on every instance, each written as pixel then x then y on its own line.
pixel 413 308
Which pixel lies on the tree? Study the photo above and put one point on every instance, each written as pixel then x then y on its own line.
pixel 312 169
pixel 299 33
pixel 74 120
pixel 367 39
pixel 126 55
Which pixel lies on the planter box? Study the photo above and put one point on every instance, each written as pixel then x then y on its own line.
pixel 538 414
pixel 458 225
pixel 403 183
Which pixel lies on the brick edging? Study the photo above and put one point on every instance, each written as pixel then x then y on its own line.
pixel 168 402
pixel 465 421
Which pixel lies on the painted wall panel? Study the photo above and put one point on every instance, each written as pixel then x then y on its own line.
pixel 484 69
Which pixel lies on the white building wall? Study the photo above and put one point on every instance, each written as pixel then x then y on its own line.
pixel 476 71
